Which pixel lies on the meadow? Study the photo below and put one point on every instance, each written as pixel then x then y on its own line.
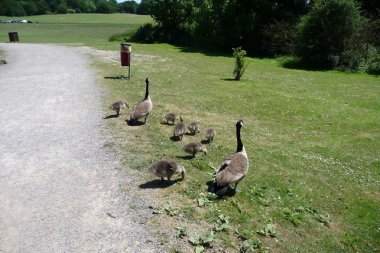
pixel 312 137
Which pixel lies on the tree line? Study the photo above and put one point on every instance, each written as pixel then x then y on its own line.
pixel 39 7
pixel 321 33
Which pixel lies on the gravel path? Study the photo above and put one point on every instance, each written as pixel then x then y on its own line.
pixel 60 186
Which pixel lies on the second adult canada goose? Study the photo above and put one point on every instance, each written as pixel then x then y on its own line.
pixel 193 127
pixel 234 167
pixel 193 148
pixel 172 117
pixel 210 134
pixel 143 108
pixel 117 106
pixel 166 168
pixel 179 130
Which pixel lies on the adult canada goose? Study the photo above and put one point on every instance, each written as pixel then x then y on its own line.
pixel 117 106
pixel 179 130
pixel 234 167
pixel 143 108
pixel 193 127
pixel 210 134
pixel 193 148
pixel 166 168
pixel 172 117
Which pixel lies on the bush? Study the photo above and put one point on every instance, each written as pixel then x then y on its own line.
pixel 240 64
pixel 3 62
pixel 325 33
pixel 374 66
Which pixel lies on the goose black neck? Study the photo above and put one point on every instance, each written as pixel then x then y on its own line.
pixel 238 139
pixel 146 90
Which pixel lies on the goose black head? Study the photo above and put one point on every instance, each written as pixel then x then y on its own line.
pixel 240 123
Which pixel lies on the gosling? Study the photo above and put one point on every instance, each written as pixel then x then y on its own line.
pixel 210 134
pixel 193 148
pixel 179 130
pixel 172 117
pixel 166 168
pixel 117 106
pixel 193 128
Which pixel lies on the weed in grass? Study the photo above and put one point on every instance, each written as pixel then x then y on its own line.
pixel 171 212
pixel 268 230
pixel 223 223
pixel 181 232
pixel 3 62
pixel 251 245
pixel 202 241
pixel 294 216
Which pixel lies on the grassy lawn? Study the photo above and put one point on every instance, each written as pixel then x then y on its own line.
pixel 89 29
pixel 313 139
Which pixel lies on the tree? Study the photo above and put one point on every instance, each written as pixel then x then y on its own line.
pixel 325 31
pixel 106 7
pixel 171 16
pixel 143 8
pixel 128 6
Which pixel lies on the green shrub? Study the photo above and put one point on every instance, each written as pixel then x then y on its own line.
pixel 3 62
pixel 240 64
pixel 325 33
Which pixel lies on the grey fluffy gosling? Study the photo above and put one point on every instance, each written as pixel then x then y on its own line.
pixel 193 148
pixel 172 117
pixel 233 168
pixel 210 134
pixel 193 127
pixel 143 108
pixel 167 168
pixel 117 106
pixel 179 130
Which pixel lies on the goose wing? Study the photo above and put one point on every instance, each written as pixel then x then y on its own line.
pixel 141 109
pixel 232 169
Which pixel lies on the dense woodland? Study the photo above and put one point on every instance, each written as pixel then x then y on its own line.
pixel 39 7
pixel 340 34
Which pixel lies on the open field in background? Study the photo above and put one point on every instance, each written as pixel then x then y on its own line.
pixel 313 139
pixel 89 29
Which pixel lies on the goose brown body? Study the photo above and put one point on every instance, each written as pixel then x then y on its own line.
pixel 210 134
pixel 171 117
pixel 193 127
pixel 193 148
pixel 143 108
pixel 117 106
pixel 166 168
pixel 179 130
pixel 234 167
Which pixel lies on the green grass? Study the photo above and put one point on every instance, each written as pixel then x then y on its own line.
pixel 313 139
pixel 89 29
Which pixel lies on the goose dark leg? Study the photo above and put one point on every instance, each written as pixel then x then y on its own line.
pixel 117 112
pixel 162 179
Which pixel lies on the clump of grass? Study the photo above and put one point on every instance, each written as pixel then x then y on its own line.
pixel 122 37
pixel 3 62
pixel 240 63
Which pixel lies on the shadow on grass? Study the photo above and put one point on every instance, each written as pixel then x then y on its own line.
pixel 229 79
pixel 189 134
pixel 119 77
pixel 222 193
pixel 135 123
pixel 158 184
pixel 290 62
pixel 205 141
pixel 175 138
pixel 111 116
pixel 185 157
pixel 166 123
